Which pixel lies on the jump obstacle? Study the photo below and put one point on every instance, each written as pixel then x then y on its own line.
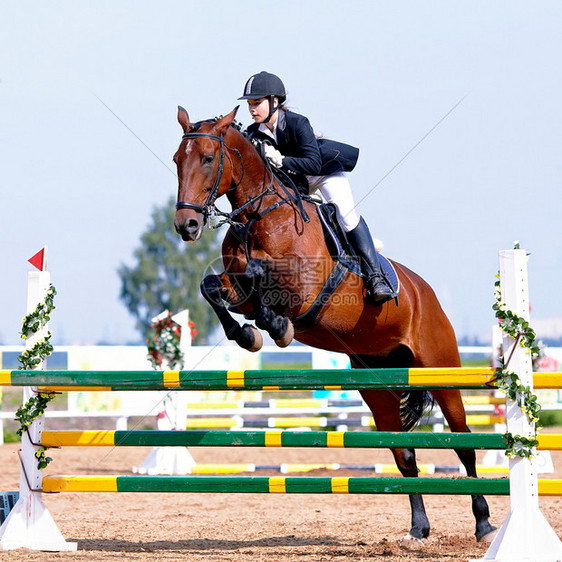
pixel 525 535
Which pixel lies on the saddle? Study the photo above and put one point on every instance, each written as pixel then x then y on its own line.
pixel 336 241
pixel 340 249
pixel 345 261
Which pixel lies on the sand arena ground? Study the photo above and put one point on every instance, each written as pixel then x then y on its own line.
pixel 244 527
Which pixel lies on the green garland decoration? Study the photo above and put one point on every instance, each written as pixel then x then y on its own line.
pixel 517 445
pixel 519 329
pixel 32 323
pixel 27 414
pixel 40 316
pixel 29 359
pixel 516 327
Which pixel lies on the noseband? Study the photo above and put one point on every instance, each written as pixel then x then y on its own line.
pixel 208 207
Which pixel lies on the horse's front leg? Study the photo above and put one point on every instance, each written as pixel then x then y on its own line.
pixel 280 328
pixel 216 289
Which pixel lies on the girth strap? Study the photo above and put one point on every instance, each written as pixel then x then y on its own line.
pixel 308 318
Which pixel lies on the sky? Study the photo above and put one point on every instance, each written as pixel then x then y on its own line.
pixel 455 107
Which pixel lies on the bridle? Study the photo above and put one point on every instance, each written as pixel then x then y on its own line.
pixel 208 208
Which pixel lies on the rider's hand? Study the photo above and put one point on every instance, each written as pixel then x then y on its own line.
pixel 273 155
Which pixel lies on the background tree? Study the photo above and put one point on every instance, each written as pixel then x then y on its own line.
pixel 167 274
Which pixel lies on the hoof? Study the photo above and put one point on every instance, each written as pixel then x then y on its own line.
pixel 287 336
pixel 411 543
pixel 488 537
pixel 258 341
pixel 250 339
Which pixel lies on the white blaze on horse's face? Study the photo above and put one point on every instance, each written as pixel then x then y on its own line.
pixel 188 222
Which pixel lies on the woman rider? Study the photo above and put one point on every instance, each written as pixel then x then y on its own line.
pixel 321 163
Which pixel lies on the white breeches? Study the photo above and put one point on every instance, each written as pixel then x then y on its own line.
pixel 336 189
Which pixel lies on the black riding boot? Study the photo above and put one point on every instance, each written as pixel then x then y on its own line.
pixel 362 244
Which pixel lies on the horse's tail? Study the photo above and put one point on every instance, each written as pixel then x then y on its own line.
pixel 413 405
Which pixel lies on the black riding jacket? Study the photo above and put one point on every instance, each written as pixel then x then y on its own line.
pixel 304 154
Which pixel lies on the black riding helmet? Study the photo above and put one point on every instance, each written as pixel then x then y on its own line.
pixel 265 85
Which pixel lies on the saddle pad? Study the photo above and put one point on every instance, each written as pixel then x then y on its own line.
pixel 340 251
pixel 390 274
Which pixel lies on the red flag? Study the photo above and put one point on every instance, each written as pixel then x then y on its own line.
pixel 39 260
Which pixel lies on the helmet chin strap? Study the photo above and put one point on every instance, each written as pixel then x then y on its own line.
pixel 272 109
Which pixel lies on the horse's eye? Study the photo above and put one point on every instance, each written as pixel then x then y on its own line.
pixel 208 159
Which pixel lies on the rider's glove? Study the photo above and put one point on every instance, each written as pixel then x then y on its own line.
pixel 273 155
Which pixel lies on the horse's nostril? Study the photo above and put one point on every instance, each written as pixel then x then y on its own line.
pixel 192 224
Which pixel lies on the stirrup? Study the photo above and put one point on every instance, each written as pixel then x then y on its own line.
pixel 378 289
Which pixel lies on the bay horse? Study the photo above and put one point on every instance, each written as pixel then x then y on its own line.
pixel 275 257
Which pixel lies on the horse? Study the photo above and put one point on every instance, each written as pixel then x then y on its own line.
pixel 275 263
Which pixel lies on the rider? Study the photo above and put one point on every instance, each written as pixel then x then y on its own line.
pixel 320 163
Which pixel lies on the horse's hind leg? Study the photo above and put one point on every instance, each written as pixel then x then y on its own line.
pixel 452 407
pixel 278 327
pixel 216 289
pixel 385 405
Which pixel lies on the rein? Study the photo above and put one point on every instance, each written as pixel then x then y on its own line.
pixel 208 209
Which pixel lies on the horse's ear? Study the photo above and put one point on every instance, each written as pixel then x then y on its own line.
pixel 183 118
pixel 224 122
